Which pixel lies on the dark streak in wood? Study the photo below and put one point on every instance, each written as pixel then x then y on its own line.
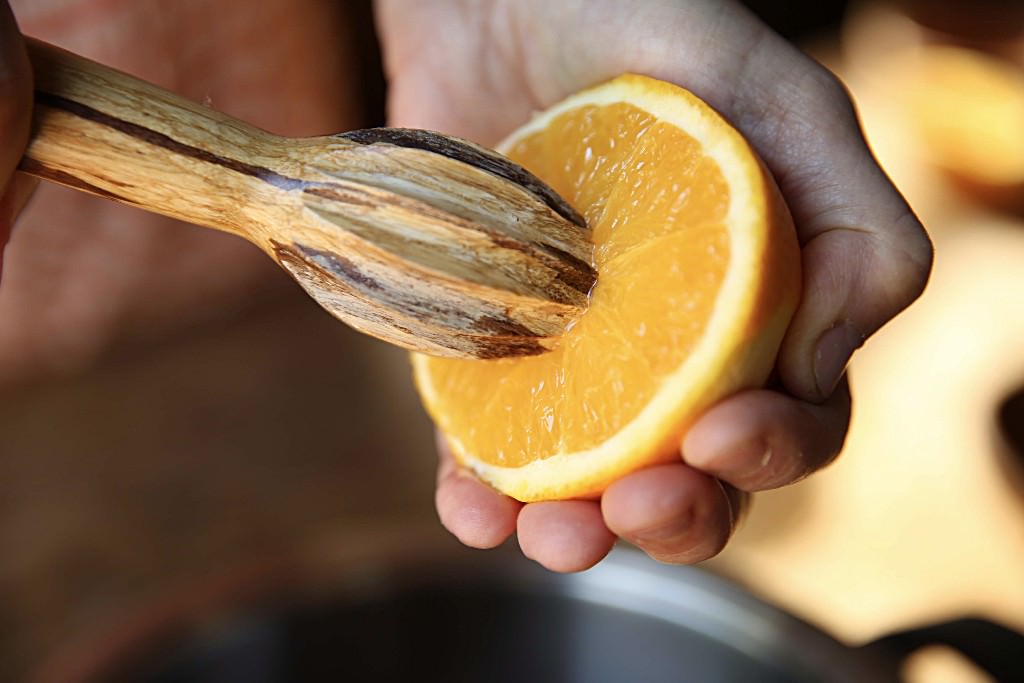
pixel 474 155
pixel 339 266
pixel 507 347
pixel 496 339
pixel 579 275
pixel 161 140
pixel 502 327
pixel 33 167
pixel 573 272
pixel 345 196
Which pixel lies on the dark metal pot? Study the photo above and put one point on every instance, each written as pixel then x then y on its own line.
pixel 495 617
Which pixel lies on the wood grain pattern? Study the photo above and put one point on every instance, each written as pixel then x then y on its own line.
pixel 423 240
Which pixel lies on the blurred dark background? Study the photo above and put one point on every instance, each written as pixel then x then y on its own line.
pixel 802 19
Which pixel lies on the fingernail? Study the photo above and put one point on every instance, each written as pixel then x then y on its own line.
pixel 737 457
pixel 666 533
pixel 832 354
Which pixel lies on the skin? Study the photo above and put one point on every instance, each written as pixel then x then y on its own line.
pixel 865 255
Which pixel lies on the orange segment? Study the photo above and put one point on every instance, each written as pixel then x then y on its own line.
pixel 698 275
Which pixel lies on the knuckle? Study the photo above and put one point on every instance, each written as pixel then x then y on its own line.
pixel 906 262
pixel 824 103
pixel 828 87
pixel 918 255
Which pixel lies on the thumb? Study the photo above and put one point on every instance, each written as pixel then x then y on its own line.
pixel 15 114
pixel 865 258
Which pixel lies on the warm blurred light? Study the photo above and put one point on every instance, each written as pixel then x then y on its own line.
pixel 943 665
pixel 969 107
pixel 918 520
pixel 961 99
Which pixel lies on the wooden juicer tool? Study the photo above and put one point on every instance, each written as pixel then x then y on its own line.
pixel 423 240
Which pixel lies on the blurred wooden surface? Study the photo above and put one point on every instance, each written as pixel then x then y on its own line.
pixel 242 440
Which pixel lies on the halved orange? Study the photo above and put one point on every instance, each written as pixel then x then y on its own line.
pixel 698 276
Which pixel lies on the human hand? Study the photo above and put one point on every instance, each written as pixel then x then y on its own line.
pixel 478 69
pixel 81 273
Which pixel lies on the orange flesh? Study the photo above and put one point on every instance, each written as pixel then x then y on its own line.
pixel 656 206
